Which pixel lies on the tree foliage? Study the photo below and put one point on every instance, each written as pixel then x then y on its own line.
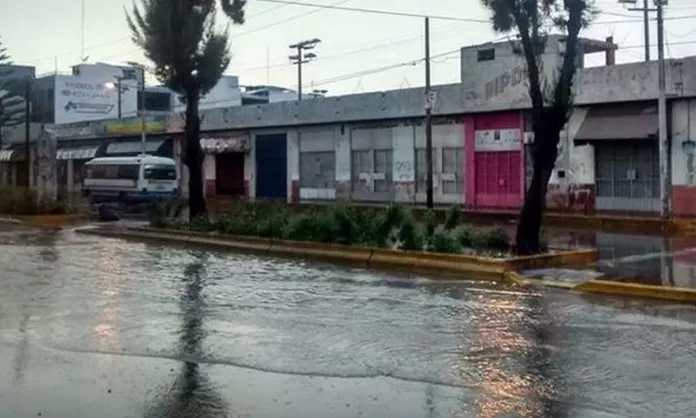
pixel 11 102
pixel 180 38
pixel 190 54
pixel 550 91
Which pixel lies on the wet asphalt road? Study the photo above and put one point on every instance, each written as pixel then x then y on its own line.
pixel 93 327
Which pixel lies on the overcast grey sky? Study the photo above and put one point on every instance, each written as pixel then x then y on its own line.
pixel 47 34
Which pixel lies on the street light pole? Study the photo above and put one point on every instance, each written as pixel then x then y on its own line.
pixel 301 57
pixel 143 125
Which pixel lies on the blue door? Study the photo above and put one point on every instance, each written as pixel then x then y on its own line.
pixel 271 166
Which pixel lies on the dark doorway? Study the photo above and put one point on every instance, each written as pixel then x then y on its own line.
pixel 271 166
pixel 229 174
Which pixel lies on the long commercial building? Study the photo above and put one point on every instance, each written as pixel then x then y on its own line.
pixel 371 147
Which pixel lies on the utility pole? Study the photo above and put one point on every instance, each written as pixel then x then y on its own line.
pixel 646 21
pixel 27 128
pixel 665 181
pixel 119 86
pixel 646 29
pixel 301 57
pixel 429 102
pixel 665 189
pixel 141 106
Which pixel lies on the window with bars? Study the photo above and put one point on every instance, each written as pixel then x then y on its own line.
pixel 371 171
pixel 383 170
pixel 453 164
pixel 360 163
pixel 318 170
pixel 422 169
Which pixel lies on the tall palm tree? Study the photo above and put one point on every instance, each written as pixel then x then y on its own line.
pixel 189 55
pixel 532 20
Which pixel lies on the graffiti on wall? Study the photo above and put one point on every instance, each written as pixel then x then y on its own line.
pixel 570 198
pixel 509 78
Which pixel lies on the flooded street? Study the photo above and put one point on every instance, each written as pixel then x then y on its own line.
pixel 100 327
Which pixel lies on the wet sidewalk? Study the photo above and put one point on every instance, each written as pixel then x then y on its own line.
pixel 643 259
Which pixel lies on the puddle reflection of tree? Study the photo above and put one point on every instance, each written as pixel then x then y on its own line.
pixel 191 394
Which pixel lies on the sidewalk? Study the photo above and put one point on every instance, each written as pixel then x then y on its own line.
pixel 632 258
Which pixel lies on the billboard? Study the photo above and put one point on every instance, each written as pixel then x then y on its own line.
pixel 82 98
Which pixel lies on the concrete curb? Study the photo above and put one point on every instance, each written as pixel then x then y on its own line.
pixel 465 266
pixel 612 288
pixel 616 288
pixel 45 221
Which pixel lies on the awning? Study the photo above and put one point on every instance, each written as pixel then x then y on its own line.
pixel 11 155
pixel 82 153
pixel 619 122
pixel 133 147
pixel 223 145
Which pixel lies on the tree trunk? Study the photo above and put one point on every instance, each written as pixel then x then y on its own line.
pixel 528 239
pixel 194 158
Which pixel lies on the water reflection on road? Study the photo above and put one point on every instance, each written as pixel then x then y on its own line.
pixel 139 330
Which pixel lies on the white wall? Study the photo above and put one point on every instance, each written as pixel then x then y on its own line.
pixel 576 161
pixel 683 128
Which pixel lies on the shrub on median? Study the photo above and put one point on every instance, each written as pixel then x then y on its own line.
pixel 341 223
pixel 22 201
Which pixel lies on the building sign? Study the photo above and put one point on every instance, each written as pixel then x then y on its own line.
pixel 498 140
pixel 133 126
pixel 79 99
pixel 225 145
pixel 509 78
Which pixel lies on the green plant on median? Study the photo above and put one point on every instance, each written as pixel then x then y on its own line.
pixel 21 201
pixel 392 227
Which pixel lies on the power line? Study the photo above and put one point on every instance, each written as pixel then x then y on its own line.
pixel 374 11
pixel 119 40
pixel 291 18
pixel 389 43
pixel 382 69
pixel 453 18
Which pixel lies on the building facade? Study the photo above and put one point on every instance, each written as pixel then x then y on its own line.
pixel 371 147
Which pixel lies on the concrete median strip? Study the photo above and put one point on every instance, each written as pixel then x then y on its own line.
pixel 611 288
pixel 464 266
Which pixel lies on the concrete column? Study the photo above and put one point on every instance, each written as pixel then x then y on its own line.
pixel 293 144
pixel 343 163
pixel 70 168
pixel 403 164
pixel 250 169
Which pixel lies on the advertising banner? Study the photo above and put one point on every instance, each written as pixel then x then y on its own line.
pixel 80 99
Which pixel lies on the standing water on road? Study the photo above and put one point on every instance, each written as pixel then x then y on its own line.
pixel 129 329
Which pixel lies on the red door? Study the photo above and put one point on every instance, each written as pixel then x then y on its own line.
pixel 498 179
pixel 229 174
